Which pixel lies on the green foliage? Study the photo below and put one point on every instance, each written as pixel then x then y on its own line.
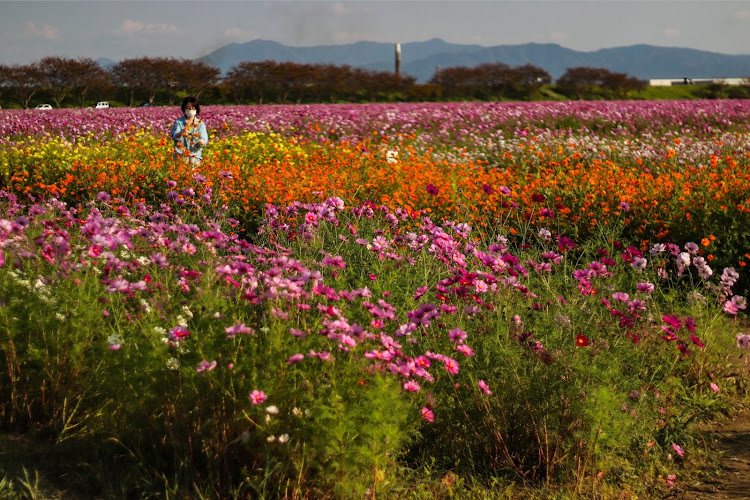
pixel 105 375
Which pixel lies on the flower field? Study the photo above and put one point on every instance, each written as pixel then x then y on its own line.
pixel 361 300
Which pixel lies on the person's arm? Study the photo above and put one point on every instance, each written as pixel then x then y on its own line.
pixel 203 133
pixel 177 129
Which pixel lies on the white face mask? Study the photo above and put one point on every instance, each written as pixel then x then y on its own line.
pixel 190 113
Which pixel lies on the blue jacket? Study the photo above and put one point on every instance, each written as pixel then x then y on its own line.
pixel 184 143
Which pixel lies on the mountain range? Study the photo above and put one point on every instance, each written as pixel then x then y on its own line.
pixel 421 59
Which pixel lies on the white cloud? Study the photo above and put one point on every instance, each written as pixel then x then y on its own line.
pixel 559 36
pixel 45 31
pixel 130 27
pixel 741 15
pixel 671 33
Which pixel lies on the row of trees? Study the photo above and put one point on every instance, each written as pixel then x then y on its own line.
pixel 78 81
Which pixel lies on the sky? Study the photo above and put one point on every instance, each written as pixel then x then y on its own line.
pixel 30 30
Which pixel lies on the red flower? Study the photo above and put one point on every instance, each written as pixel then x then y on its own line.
pixel 581 340
pixel 697 341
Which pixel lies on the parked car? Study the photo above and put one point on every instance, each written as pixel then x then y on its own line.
pixel 44 106
pixel 101 105
pixel 146 105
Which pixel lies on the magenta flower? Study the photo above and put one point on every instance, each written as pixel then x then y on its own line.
pixel 743 340
pixel 672 321
pixel 428 415
pixel 205 366
pixel 645 287
pixel 678 449
pixel 464 349
pixel 432 189
pixel 119 284
pixel 411 386
pixel 311 218
pixel 485 388
pixel 451 366
pixel 422 362
pixel 487 189
pixel 231 331
pixel 257 397
pixel 697 341
pixel 714 387
pixel 295 358
pixel 504 190
pixel 178 333
pixel 457 335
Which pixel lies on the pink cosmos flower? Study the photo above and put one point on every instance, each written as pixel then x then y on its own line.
pixel 205 366
pixel 645 287
pixel 257 397
pixel 485 388
pixel 714 387
pixel 428 415
pixel 465 350
pixel 621 296
pixel 178 333
pixel 311 218
pixel 432 189
pixel 422 362
pixel 696 341
pixel 231 331
pixel 743 340
pixel 678 449
pixel 451 366
pixel 457 335
pixel 411 386
pixel 295 358
pixel 672 321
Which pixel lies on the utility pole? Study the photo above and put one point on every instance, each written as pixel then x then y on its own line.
pixel 398 60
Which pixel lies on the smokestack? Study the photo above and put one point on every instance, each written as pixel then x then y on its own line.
pixel 398 59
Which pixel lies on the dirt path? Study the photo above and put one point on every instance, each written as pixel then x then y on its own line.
pixel 732 440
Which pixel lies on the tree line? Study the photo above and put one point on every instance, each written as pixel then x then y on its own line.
pixel 78 82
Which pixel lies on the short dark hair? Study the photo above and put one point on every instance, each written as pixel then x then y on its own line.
pixel 191 100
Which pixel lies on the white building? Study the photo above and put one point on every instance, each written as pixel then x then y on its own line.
pixel 667 82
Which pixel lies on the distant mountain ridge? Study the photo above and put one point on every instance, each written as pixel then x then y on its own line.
pixel 420 59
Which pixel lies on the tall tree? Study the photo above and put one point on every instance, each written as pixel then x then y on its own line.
pixel 195 77
pixel 581 82
pixel 24 82
pixel 251 77
pixel 87 76
pixel 4 78
pixel 145 76
pixel 528 79
pixel 57 77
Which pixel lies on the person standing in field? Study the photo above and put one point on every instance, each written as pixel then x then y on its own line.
pixel 189 133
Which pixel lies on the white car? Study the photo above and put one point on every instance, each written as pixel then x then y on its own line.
pixel 44 106
pixel 101 105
